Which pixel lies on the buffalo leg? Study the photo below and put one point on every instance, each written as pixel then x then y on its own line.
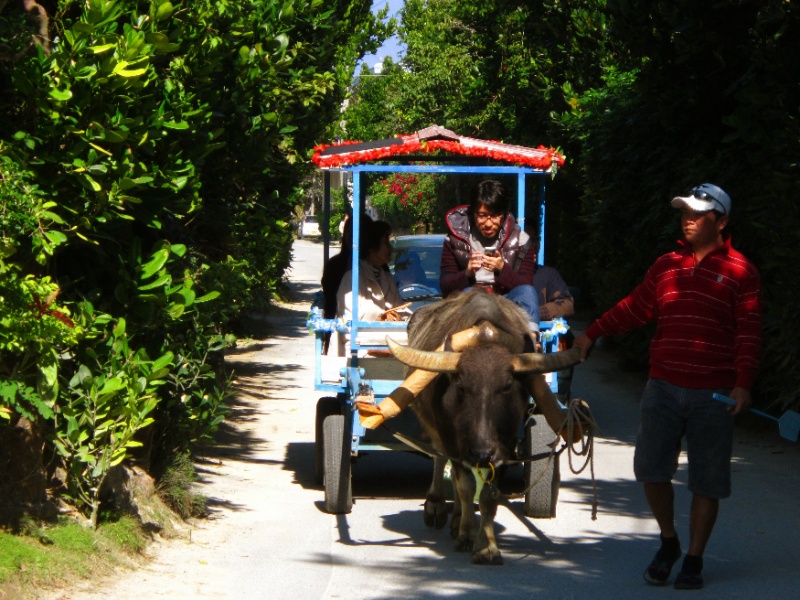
pixel 435 509
pixel 465 492
pixel 485 551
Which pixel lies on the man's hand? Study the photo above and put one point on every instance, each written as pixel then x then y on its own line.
pixel 585 344
pixel 493 263
pixel 743 401
pixel 475 263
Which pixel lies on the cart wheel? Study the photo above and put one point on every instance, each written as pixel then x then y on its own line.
pixel 325 407
pixel 338 481
pixel 541 499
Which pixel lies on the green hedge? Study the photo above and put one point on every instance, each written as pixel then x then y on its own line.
pixel 151 156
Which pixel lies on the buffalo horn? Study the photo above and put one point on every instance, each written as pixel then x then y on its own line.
pixel 486 333
pixel 548 404
pixel 533 362
pixel 438 361
pixel 373 416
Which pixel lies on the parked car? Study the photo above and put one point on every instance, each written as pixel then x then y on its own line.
pixel 309 227
pixel 415 264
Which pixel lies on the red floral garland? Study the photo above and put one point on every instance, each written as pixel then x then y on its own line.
pixel 538 158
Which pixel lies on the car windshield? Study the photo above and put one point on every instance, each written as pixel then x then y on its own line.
pixel 311 219
pixel 415 264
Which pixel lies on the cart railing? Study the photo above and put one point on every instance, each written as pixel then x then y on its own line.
pixel 384 373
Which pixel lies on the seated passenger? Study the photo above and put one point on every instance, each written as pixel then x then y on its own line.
pixel 555 299
pixel 485 248
pixel 335 269
pixel 377 290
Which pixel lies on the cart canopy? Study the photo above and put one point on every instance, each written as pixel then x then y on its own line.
pixel 439 141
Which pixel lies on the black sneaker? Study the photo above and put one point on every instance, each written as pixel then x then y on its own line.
pixel 657 573
pixel 688 581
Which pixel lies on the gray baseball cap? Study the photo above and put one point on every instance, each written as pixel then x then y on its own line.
pixel 705 197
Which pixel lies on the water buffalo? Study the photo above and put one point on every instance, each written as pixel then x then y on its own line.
pixel 472 371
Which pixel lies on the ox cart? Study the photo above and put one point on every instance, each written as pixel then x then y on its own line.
pixel 367 370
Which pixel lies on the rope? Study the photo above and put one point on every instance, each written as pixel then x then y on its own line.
pixel 579 416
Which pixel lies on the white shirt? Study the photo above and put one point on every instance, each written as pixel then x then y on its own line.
pixel 377 292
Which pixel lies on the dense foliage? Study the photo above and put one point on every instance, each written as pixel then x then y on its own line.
pixel 151 155
pixel 646 99
pixel 410 201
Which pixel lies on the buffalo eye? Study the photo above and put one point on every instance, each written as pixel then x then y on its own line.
pixel 508 384
pixel 457 390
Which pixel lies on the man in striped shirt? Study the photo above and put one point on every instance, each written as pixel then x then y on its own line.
pixel 706 300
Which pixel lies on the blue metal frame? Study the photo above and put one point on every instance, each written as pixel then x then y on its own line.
pixel 352 375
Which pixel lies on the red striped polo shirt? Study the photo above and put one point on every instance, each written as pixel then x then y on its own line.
pixel 708 318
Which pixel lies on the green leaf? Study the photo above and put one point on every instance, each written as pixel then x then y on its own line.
pixel 90 183
pixel 119 329
pixel 48 378
pixel 176 125
pixel 101 49
pixel 156 263
pixel 61 95
pixel 188 296
pixel 207 297
pixel 159 40
pixel 72 428
pixel 163 361
pixel 164 279
pixel 164 11
pixel 53 217
pixel 56 237
pixel 130 72
pixel 282 41
pixel 287 12
pixel 112 385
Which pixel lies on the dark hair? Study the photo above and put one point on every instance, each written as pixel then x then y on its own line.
pixel 492 194
pixel 372 235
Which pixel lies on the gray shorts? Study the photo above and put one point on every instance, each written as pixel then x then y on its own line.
pixel 670 413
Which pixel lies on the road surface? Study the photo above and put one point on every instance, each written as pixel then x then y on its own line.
pixel 268 537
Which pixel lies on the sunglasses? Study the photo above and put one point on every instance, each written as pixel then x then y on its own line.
pixel 703 195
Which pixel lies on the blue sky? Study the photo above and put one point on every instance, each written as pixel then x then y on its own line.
pixel 392 46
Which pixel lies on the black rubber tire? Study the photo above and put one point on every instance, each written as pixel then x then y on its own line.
pixel 541 499
pixel 338 473
pixel 326 407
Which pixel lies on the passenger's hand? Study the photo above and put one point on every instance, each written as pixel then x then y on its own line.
pixel 585 344
pixel 743 401
pixel 474 264
pixel 493 263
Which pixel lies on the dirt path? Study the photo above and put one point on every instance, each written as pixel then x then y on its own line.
pixel 248 477
pixel 267 537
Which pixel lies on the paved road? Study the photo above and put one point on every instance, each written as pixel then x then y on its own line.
pixel 268 537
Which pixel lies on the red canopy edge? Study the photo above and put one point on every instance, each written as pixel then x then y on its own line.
pixel 432 139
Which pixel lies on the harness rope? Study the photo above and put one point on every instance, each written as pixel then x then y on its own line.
pixel 578 416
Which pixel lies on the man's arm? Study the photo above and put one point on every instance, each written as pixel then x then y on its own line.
pixel 555 299
pixel 748 342
pixel 451 277
pixel 633 311
pixel 509 278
